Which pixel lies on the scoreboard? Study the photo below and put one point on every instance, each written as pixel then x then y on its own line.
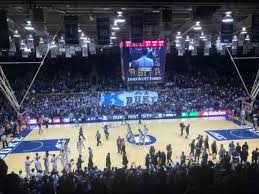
pixel 143 62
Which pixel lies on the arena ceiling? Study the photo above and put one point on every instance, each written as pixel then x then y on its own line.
pixel 184 15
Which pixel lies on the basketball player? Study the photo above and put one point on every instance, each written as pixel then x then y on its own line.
pixel 128 131
pixel 37 163
pixel 39 123
pixel 125 117
pixel 80 146
pixel 118 142
pixel 62 158
pixel 145 132
pixel 206 144
pixel 192 148
pixel 131 137
pixel 46 121
pixel 108 161
pixel 123 146
pixel 141 137
pixel 139 118
pixel 187 130
pixel 81 133
pixel 255 121
pixel 169 153
pixel 214 150
pixel 69 166
pixel 28 163
pixel 46 163
pixel 98 138
pixel 54 163
pixel 242 117
pixel 182 126
pixel 67 153
pixel 106 132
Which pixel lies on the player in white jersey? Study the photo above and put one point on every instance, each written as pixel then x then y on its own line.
pixel 46 162
pixel 145 132
pixel 141 137
pixel 255 121
pixel 128 132
pixel 62 155
pixel 80 145
pixel 27 166
pixel 37 163
pixel 242 117
pixel 69 166
pixel 54 163
pixel 67 153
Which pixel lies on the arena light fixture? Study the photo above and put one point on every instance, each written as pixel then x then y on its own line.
pixel 243 31
pixel 227 18
pixel 202 36
pixel 178 35
pixel 79 29
pixel 187 39
pixel 120 18
pixel 197 26
pixel 83 37
pixel 115 26
pixel 30 37
pixel 16 34
pixel 247 37
pixel 235 38
pixel 41 40
pixel 53 44
pixel 29 26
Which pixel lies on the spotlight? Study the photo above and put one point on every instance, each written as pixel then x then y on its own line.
pixel 187 39
pixel 235 38
pixel 178 35
pixel 16 34
pixel 227 18
pixel 29 26
pixel 115 26
pixel 30 37
pixel 120 18
pixel 243 31
pixel 247 37
pixel 197 26
pixel 202 36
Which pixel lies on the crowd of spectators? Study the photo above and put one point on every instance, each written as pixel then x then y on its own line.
pixel 184 176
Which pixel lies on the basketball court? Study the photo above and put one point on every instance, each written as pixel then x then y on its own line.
pixel 161 133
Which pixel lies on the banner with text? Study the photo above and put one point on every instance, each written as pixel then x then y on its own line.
pixel 127 98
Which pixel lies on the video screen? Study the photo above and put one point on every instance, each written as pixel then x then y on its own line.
pixel 143 62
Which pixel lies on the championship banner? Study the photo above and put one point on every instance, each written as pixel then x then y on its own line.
pixel 226 32
pixel 136 29
pixel 246 106
pixel 71 29
pixel 103 30
pixel 255 29
pixel 127 98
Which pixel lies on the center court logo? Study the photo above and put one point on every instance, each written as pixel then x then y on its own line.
pixel 149 139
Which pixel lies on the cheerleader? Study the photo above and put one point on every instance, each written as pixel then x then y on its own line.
pixel 28 162
pixel 80 146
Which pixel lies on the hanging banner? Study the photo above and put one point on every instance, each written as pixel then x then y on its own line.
pixel 71 29
pixel 255 29
pixel 127 98
pixel 103 30
pixel 136 29
pixel 226 32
